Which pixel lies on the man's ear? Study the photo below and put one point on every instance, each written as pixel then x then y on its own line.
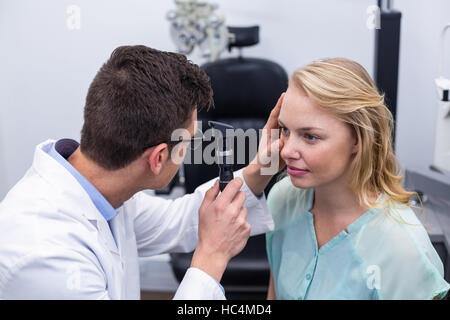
pixel 157 157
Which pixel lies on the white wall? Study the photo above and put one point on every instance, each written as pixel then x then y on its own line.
pixel 46 68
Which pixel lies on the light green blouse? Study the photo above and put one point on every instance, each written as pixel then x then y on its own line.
pixel 379 258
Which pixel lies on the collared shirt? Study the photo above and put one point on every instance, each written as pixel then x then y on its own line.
pixel 55 244
pixel 381 255
pixel 61 151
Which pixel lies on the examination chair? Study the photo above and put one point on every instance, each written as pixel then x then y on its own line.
pixel 245 91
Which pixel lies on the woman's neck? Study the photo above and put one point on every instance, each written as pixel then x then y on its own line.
pixel 337 200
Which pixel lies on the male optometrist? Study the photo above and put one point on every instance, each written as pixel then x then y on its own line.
pixel 74 225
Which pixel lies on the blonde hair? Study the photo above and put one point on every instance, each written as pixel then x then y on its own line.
pixel 343 88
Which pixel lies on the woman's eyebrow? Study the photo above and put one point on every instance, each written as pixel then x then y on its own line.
pixel 301 129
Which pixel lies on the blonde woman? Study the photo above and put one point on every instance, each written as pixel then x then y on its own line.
pixel 344 228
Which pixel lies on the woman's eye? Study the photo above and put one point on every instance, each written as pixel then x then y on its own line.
pixel 284 131
pixel 310 137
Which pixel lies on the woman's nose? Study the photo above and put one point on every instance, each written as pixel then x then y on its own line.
pixel 289 150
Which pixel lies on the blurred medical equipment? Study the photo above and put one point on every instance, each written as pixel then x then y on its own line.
pixel 198 23
pixel 433 187
pixel 442 142
pixel 436 205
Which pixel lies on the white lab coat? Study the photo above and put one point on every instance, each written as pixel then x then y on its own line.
pixel 55 244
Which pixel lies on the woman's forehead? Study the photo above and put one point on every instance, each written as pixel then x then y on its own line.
pixel 300 111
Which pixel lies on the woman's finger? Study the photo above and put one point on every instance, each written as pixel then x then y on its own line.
pixel 272 122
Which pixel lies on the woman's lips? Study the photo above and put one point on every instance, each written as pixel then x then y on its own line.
pixel 293 171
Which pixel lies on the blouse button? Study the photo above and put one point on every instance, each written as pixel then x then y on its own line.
pixel 308 277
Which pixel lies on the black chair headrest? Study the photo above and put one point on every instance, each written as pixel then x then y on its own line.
pixel 243 36
pixel 245 87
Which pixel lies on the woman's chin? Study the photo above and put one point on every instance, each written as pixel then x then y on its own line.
pixel 299 182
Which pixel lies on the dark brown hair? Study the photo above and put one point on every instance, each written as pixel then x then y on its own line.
pixel 138 97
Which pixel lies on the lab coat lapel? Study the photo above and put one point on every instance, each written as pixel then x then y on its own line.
pixel 106 235
pixel 73 197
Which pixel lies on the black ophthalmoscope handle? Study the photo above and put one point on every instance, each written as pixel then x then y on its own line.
pixel 225 175
pixel 225 168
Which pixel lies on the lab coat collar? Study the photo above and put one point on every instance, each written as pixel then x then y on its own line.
pixel 67 147
pixel 76 200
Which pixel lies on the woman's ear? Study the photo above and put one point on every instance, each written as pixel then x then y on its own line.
pixel 355 147
pixel 157 157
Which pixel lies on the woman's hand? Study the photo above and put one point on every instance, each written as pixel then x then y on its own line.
pixel 270 144
pixel 267 161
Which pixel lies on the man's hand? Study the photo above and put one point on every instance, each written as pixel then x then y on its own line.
pixel 223 230
pixel 267 161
